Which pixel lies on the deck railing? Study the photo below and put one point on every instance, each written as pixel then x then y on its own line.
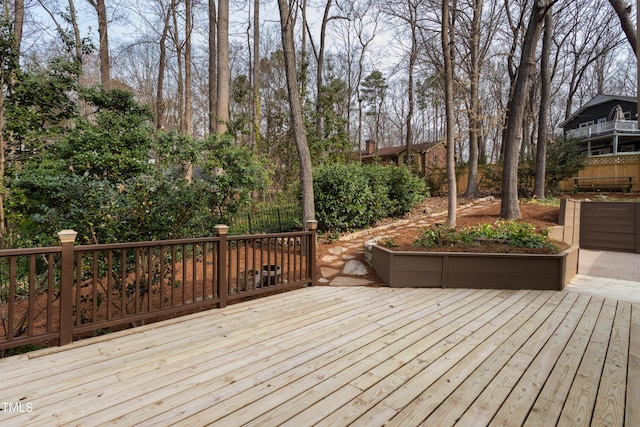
pixel 56 294
pixel 600 128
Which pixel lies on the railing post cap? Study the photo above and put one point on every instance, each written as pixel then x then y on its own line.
pixel 312 224
pixel 221 229
pixel 67 236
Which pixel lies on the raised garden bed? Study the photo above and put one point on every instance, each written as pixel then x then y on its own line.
pixel 421 269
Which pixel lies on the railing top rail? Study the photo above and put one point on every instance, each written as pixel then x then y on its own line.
pixel 156 243
pixel 30 251
pixel 153 243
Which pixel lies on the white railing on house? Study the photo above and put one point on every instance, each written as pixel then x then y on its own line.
pixel 626 126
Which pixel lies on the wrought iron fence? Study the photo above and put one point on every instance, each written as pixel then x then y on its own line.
pixel 274 219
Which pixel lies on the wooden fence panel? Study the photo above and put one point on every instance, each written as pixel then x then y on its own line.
pixel 610 226
pixel 609 166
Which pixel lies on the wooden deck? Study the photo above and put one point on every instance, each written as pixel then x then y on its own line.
pixel 348 356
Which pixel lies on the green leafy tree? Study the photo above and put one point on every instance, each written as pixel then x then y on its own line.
pixel 564 160
pixel 114 142
pixel 233 174
pixel 333 144
pixel 373 90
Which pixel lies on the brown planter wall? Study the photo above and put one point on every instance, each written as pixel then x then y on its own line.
pixel 474 270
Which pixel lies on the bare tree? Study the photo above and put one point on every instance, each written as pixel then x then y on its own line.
pixel 413 57
pixel 103 50
pixel 447 47
pixel 587 37
pixel 545 101
pixel 256 74
pixel 213 79
pixel 162 62
pixel 509 208
pixel 188 78
pixel 18 23
pixel 299 133
pixel 222 106
pixel 623 10
pixel 474 101
pixel 9 57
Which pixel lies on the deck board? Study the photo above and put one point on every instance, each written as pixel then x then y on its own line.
pixel 335 356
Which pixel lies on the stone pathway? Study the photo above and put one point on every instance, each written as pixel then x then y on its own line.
pixel 344 265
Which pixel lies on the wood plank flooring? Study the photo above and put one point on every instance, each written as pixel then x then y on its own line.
pixel 348 356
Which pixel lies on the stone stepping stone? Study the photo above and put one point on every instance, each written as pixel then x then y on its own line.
pixel 355 268
pixel 349 281
pixel 328 272
pixel 338 250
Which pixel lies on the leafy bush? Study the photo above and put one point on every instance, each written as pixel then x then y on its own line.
pixel 510 233
pixel 343 198
pixel 405 190
pixel 378 178
pixel 439 236
pixel 355 196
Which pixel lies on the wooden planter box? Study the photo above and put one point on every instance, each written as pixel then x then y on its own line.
pixel 474 270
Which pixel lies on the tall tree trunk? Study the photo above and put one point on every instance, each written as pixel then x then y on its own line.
pixel 177 42
pixel 299 133
pixel 188 123
pixel 413 56
pixel 162 64
pixel 256 74
pixel 8 64
pixel 18 23
pixel 545 102
pixel 623 10
pixel 76 32
pixel 213 75
pixel 222 110
pixel 320 69
pixel 516 109
pixel 103 49
pixel 474 122
pixel 447 47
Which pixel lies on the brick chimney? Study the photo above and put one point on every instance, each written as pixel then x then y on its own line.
pixel 371 146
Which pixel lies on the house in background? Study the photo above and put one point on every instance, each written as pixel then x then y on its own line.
pixel 425 155
pixel 606 125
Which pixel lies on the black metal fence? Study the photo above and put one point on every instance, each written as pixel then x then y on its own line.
pixel 275 219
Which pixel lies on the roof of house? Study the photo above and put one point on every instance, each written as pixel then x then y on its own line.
pixel 597 100
pixel 392 151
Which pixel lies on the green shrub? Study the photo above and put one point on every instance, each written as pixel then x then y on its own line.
pixel 355 196
pixel 378 178
pixel 510 233
pixel 439 236
pixel 405 191
pixel 343 198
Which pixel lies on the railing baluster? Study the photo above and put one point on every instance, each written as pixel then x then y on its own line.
pixel 12 297
pixel 95 279
pixel 109 274
pixel 33 293
pixel 50 291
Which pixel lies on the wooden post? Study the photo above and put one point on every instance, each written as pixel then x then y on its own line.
pixel 67 241
pixel 312 226
pixel 221 280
